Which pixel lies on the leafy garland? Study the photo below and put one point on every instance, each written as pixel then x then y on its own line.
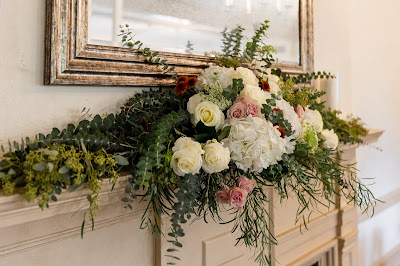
pixel 141 136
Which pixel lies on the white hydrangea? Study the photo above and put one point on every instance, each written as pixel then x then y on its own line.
pixel 291 116
pixel 255 143
pixel 272 80
pixel 208 77
pixel 314 118
pixel 246 75
pixel 331 140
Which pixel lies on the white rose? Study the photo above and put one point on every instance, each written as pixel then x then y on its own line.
pixel 187 143
pixel 187 157
pixel 314 118
pixel 331 140
pixel 256 94
pixel 216 157
pixel 273 81
pixel 208 113
pixel 193 102
pixel 246 75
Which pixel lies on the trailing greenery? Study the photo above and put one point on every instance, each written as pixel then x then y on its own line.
pixel 307 77
pixel 254 224
pixel 183 208
pixel 151 57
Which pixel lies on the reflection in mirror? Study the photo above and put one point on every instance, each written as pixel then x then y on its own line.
pixel 193 26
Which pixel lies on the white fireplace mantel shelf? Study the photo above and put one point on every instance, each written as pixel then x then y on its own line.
pixel 25 228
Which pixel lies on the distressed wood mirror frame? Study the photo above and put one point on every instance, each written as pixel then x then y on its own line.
pixel 70 60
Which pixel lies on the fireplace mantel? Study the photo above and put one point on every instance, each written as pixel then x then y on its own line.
pixel 29 234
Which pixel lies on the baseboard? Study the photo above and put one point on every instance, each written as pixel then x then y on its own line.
pixel 390 259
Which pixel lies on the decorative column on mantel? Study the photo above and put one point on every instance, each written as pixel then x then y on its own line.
pixel 52 236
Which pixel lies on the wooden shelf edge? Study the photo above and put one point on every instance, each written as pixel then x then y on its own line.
pixel 372 137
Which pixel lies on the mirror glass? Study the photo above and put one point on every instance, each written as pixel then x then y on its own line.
pixel 170 25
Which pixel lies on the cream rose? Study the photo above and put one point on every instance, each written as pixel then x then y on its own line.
pixel 208 113
pixel 331 140
pixel 246 75
pixel 187 143
pixel 314 118
pixel 215 158
pixel 187 157
pixel 256 94
pixel 193 102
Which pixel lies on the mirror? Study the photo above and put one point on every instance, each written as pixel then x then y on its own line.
pixel 82 45
pixel 194 27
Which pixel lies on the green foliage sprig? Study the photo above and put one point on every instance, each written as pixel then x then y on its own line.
pixel 303 96
pixel 232 41
pixel 46 172
pixel 189 47
pixel 253 48
pixel 183 209
pixel 307 77
pixel 151 57
pixel 349 131
pixel 152 153
pixel 254 223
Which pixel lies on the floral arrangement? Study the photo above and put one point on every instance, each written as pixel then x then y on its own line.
pixel 208 146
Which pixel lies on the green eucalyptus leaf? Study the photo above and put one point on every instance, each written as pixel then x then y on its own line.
pixel 40 166
pixel 58 190
pixel 19 181
pixel 50 166
pixel 121 160
pixel 75 187
pixel 224 133
pixel 63 170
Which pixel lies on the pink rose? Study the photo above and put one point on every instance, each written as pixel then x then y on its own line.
pixel 241 100
pixel 246 184
pixel 223 194
pixel 238 198
pixel 253 109
pixel 300 111
pixel 237 110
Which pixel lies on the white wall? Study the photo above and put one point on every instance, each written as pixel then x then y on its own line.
pixel 27 107
pixel 360 39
